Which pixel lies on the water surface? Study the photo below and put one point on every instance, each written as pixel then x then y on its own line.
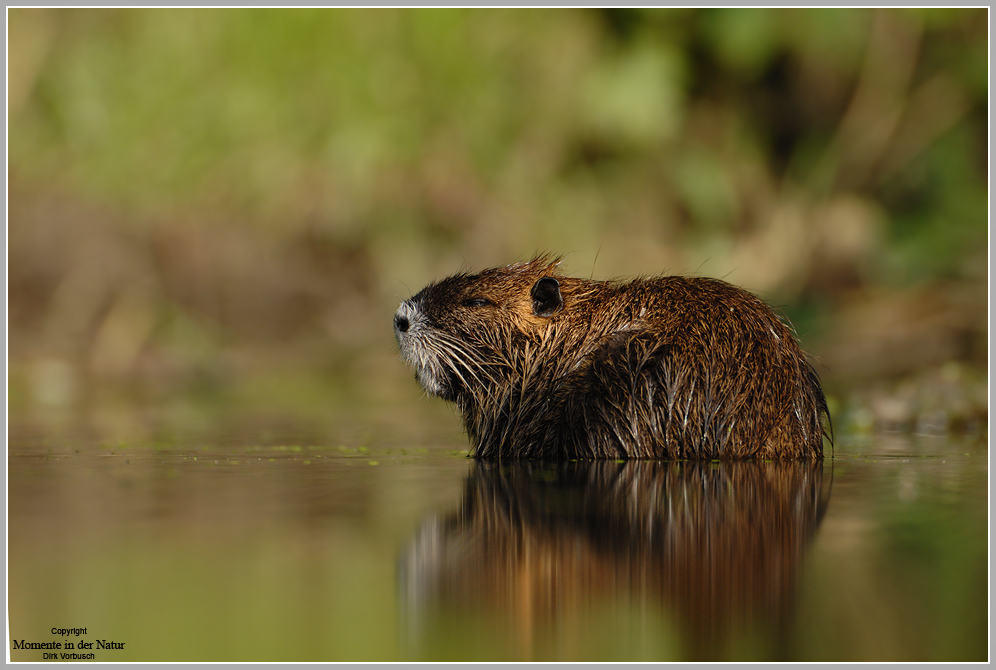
pixel 291 544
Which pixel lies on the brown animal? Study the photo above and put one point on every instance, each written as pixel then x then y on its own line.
pixel 546 366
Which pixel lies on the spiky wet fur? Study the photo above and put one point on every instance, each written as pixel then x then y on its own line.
pixel 661 367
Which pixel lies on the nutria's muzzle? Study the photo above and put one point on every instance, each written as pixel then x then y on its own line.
pixel 416 343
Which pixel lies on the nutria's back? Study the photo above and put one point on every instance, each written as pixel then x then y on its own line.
pixel 545 366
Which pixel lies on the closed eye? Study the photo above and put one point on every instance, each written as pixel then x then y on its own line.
pixel 477 302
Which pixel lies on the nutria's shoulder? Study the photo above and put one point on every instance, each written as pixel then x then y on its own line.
pixel 543 365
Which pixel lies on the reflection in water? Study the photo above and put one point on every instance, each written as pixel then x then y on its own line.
pixel 708 551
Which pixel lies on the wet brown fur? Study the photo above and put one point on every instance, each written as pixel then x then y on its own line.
pixel 662 367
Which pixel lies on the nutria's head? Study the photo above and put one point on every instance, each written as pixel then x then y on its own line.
pixel 462 334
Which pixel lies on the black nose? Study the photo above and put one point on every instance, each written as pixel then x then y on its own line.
pixel 401 323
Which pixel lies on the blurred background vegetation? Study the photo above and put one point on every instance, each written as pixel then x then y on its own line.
pixel 223 207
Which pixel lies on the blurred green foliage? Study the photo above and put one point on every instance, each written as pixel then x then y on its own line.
pixel 185 184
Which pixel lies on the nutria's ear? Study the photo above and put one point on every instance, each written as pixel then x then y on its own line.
pixel 546 297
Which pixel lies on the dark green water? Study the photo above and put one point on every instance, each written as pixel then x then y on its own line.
pixel 285 545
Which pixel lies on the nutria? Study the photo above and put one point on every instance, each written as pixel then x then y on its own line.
pixel 546 366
